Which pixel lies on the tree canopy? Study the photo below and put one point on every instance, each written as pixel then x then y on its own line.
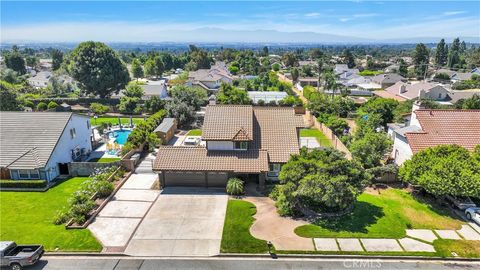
pixel 229 94
pixel 444 170
pixel 98 69
pixel 319 180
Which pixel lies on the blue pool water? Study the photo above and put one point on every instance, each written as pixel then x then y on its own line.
pixel 120 135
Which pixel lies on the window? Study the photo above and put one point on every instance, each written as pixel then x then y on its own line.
pixel 274 170
pixel 241 145
pixel 73 133
pixel 23 174
pixel 28 174
pixel 34 174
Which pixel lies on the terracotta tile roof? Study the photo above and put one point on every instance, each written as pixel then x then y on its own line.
pixel 439 127
pixel 275 130
pixel 174 158
pixel 385 94
pixel 225 122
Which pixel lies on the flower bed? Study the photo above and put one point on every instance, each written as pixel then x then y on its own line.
pixel 89 197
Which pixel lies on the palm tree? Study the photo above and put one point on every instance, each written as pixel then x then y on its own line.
pixel 331 83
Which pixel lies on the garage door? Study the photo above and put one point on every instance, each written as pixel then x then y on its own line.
pixel 217 179
pixel 196 179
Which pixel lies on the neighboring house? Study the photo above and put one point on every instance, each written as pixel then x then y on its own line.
pixel 155 88
pixel 429 128
pixel 166 130
pixel 41 145
pixel 212 78
pixel 387 80
pixel 241 141
pixel 307 63
pixel 422 90
pixel 304 81
pixel 344 72
pixel 266 96
pixel 392 68
pixel 461 76
pixel 40 80
pixel 354 82
pixel 476 71
pixel 45 64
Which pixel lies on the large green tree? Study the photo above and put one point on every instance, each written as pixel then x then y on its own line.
pixel 57 59
pixel 319 180
pixel 14 60
pixel 385 107
pixel 444 170
pixel 98 69
pixel 137 69
pixel 8 97
pixel 421 60
pixel 349 58
pixel 229 94
pixel 441 54
pixel 370 148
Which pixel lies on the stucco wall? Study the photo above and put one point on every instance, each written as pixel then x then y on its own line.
pixel 401 150
pixel 63 151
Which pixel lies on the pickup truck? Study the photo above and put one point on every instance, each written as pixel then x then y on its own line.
pixel 16 257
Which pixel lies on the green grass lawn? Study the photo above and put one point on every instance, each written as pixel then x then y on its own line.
pixel 104 160
pixel 387 215
pixel 26 218
pixel 321 138
pixel 195 132
pixel 463 248
pixel 236 230
pixel 114 120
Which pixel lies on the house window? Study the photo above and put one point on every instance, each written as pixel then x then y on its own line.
pixel 28 174
pixel 241 145
pixel 274 170
pixel 23 174
pixel 73 133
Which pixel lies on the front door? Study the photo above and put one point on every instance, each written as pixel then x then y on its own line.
pixel 63 168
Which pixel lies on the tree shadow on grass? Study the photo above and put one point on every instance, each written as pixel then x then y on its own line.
pixel 363 215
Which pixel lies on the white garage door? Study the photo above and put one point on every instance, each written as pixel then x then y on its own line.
pixel 195 179
pixel 217 179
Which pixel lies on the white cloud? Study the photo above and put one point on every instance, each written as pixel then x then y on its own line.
pixel 451 13
pixel 312 15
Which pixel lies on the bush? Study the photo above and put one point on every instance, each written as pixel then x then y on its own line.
pixel 23 183
pixel 99 108
pixel 142 131
pixel 103 188
pixel 235 186
pixel 61 217
pixel 42 106
pixel 29 103
pixel 52 105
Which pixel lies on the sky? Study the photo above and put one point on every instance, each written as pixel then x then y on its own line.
pixel 275 21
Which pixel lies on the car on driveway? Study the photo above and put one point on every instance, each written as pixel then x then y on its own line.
pixel 16 257
pixel 461 203
pixel 473 213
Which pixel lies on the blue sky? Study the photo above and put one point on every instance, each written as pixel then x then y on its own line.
pixel 234 21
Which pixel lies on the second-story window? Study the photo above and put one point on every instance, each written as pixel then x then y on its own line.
pixel 241 145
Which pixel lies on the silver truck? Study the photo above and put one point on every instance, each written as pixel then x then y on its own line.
pixel 16 257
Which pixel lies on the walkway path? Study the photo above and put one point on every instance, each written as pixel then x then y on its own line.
pixel 117 222
pixel 270 226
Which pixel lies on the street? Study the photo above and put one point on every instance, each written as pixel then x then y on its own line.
pixel 240 263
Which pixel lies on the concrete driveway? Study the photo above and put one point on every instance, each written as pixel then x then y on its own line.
pixel 181 222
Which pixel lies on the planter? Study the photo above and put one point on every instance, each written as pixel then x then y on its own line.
pixel 71 225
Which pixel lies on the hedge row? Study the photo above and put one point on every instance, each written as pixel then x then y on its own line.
pixel 23 183
pixel 142 131
pixel 72 101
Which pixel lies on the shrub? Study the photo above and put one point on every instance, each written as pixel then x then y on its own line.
pixel 28 103
pixel 42 106
pixel 261 102
pixel 52 105
pixel 103 188
pixel 82 209
pixel 99 108
pixel 23 183
pixel 61 217
pixel 235 186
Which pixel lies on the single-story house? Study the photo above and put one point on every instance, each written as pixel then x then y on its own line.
pixel 461 76
pixel 304 81
pixel 343 68
pixel 250 142
pixel 40 145
pixel 387 80
pixel 40 80
pixel 266 96
pixel 307 63
pixel 409 91
pixel 155 89
pixel 212 78
pixel 166 130
pixel 429 128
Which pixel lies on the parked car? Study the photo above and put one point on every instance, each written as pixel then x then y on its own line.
pixel 461 203
pixel 17 257
pixel 473 214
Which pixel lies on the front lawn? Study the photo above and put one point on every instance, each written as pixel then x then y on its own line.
pixel 236 230
pixel 27 218
pixel 195 132
pixel 463 248
pixel 114 120
pixel 386 215
pixel 313 132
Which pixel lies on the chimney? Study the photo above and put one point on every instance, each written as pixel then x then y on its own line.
pixel 403 89
pixel 212 100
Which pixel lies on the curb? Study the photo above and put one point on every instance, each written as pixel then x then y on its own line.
pixel 331 256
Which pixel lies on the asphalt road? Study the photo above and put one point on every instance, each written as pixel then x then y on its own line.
pixel 112 263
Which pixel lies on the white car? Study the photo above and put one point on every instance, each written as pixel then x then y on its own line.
pixel 473 213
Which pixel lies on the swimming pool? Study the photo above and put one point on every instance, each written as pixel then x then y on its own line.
pixel 120 136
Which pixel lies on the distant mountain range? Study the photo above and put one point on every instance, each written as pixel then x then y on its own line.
pixel 219 35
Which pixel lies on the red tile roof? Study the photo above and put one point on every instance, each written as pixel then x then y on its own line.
pixel 440 127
